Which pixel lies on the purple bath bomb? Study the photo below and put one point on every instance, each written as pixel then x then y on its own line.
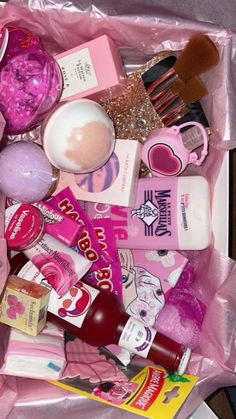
pixel 25 172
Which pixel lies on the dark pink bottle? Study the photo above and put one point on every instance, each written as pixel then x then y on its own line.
pixel 99 318
pixel 106 322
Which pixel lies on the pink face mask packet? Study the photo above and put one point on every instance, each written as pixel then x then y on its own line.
pixel 109 277
pixel 87 244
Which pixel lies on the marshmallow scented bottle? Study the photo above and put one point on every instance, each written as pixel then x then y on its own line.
pixel 170 213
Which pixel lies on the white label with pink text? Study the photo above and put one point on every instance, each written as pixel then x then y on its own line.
pixel 136 337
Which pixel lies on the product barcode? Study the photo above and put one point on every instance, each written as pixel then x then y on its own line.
pixel 184 216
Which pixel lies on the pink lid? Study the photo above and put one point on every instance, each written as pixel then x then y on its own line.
pixel 23 226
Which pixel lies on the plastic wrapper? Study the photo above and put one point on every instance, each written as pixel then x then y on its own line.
pixel 142 29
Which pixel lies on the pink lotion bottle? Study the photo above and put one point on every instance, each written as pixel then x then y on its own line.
pixel 170 213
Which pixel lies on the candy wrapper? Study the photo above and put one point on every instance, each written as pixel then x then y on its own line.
pixel 87 244
pixel 109 277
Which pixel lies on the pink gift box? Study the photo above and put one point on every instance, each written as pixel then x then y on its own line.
pixel 85 74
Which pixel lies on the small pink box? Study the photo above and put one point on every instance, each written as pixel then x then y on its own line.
pixel 59 225
pixel 91 68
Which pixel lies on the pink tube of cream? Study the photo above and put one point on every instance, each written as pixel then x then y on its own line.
pixel 60 265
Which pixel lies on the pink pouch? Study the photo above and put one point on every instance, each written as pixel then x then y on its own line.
pixel 87 244
pixel 183 314
pixel 109 277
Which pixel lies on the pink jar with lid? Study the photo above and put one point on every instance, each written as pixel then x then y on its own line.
pixel 24 226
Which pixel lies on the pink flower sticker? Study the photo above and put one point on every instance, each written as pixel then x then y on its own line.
pixel 15 307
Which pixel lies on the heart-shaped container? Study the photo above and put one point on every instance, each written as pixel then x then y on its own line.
pixel 165 152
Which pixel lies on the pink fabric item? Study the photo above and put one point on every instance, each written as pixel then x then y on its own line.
pixel 183 314
pixel 85 361
pixel 141 33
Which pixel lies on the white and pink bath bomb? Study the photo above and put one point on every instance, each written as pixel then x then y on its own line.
pixel 78 136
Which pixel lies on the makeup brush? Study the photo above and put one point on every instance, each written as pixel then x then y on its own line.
pixel 171 118
pixel 199 55
pixel 194 90
pixel 170 92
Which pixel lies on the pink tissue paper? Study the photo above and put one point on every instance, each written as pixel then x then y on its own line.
pixel 141 32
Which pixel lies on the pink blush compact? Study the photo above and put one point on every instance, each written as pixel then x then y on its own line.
pixel 78 136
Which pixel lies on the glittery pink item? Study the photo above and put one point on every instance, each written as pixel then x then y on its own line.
pixel 183 314
pixel 30 85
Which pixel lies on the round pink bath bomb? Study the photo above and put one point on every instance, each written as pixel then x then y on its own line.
pixel 25 172
pixel 78 136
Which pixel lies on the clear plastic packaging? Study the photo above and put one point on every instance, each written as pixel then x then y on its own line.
pixel 30 85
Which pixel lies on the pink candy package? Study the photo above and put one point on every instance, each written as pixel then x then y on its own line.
pixel 87 244
pixel 109 277
pixel 59 225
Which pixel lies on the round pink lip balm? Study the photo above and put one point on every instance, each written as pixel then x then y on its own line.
pixel 25 172
pixel 78 136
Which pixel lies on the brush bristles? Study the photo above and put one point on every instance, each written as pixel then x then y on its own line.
pixel 199 55
pixel 194 90
pixel 177 86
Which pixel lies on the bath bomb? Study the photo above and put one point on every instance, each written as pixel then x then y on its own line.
pixel 25 172
pixel 78 136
